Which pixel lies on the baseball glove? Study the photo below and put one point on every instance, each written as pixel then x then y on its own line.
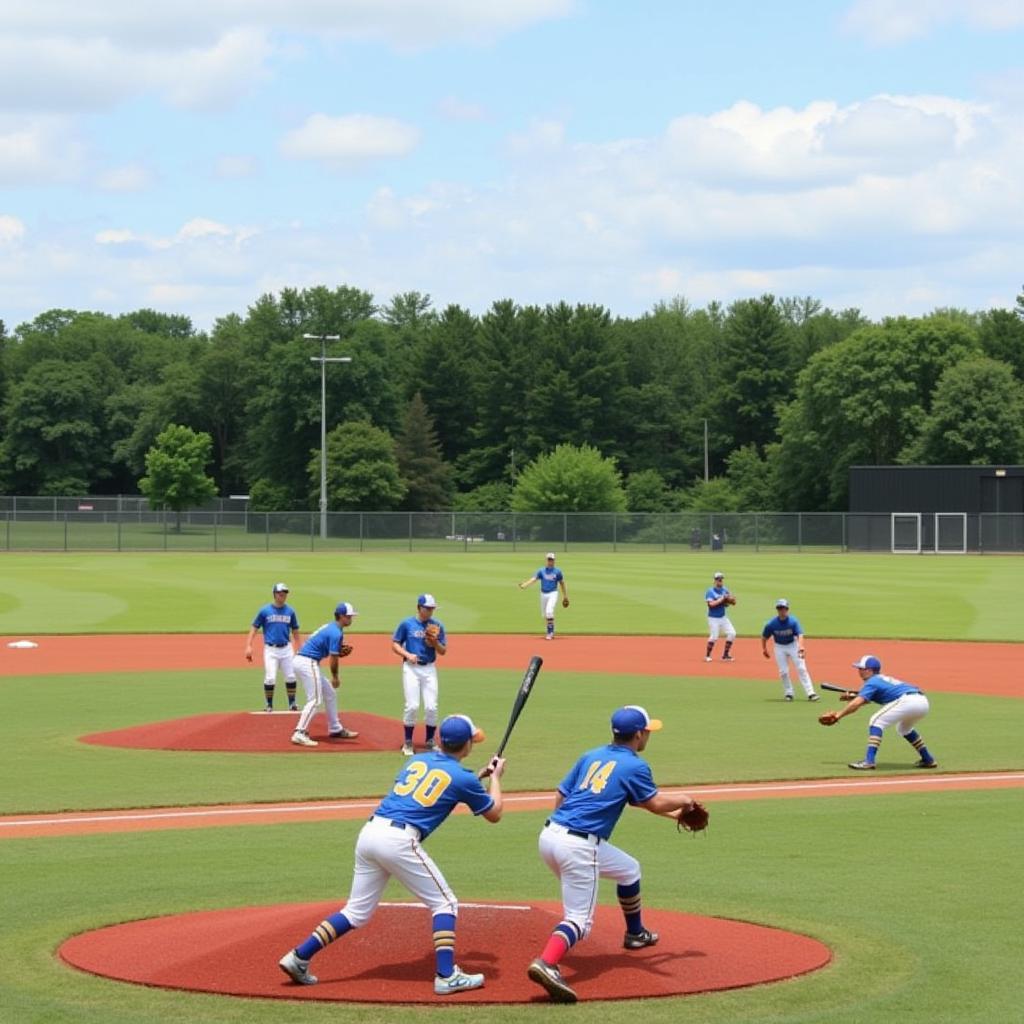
pixel 730 599
pixel 565 602
pixel 829 718
pixel 431 634
pixel 693 819
pixel 345 650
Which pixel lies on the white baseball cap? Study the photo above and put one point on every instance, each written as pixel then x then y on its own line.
pixel 550 555
pixel 719 576
pixel 782 603
pixel 281 588
pixel 426 601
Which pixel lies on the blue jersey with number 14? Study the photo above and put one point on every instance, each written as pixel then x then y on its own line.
pixel 599 786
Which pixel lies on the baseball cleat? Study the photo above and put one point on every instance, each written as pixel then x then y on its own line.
pixel 708 658
pixel 788 696
pixel 457 981
pixel 549 979
pixel 343 734
pixel 813 696
pixel 407 750
pixel 639 940
pixel 436 748
pixel 300 739
pixel 927 764
pixel 296 968
pixel 293 707
pixel 727 657
pixel 861 766
pixel 269 709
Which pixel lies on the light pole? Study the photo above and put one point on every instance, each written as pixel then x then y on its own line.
pixel 705 451
pixel 323 360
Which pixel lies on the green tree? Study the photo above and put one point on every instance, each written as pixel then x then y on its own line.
pixel 750 478
pixel 362 469
pixel 425 474
pixel 176 471
pixel 493 497
pixel 976 419
pixel 1001 334
pixel 570 479
pixel 714 495
pixel 646 491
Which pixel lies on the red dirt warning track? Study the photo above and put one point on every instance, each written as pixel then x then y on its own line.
pixel 235 952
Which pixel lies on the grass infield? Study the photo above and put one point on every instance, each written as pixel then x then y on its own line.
pixel 918 894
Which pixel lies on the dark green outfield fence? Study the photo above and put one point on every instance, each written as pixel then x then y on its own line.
pixel 127 524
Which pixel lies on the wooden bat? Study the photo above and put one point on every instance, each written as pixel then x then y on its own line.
pixel 522 696
pixel 836 689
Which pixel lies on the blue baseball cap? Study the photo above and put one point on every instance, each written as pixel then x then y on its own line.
pixel 869 661
pixel 633 718
pixel 457 729
pixel 344 609
pixel 426 601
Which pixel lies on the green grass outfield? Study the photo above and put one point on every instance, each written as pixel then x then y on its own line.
pixel 918 894
pixel 840 595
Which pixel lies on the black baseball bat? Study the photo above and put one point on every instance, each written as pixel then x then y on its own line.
pixel 522 696
pixel 836 689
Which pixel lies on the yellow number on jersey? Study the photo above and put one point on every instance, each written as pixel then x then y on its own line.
pixel 426 787
pixel 597 776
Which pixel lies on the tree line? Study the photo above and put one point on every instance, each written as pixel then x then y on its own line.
pixel 518 407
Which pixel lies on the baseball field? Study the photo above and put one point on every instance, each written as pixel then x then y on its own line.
pixel 916 890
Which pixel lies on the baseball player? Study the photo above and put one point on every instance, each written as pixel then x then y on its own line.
pixel 551 582
pixel 326 642
pixel 425 792
pixel 903 705
pixel 574 841
pixel 418 641
pixel 788 637
pixel 718 597
pixel 279 624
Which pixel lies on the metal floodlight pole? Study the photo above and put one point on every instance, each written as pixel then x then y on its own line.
pixel 323 360
pixel 705 451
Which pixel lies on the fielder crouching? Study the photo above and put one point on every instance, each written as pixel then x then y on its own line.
pixel 574 841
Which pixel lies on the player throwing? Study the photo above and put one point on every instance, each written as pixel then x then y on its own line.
pixel 788 639
pixel 426 791
pixel 903 705
pixel 552 581
pixel 326 642
pixel 280 626
pixel 574 842
pixel 718 598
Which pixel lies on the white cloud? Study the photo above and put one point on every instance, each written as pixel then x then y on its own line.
pixel 12 230
pixel 39 151
pixel 454 109
pixel 127 178
pixel 885 22
pixel 350 139
pixel 235 166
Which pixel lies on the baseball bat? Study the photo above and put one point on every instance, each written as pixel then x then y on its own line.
pixel 522 696
pixel 836 689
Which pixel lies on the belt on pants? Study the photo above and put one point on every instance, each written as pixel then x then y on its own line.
pixel 588 836
pixel 395 824
pixel 277 645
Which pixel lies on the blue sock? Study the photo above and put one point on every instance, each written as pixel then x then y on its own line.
pixel 550 627
pixel 629 901
pixel 324 934
pixel 408 734
pixel 444 944
pixel 874 739
pixel 431 729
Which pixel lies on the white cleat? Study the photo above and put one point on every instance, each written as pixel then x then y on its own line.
pixel 457 981
pixel 300 739
pixel 407 750
pixel 296 968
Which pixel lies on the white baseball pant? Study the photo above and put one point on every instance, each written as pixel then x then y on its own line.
pixel 579 864
pixel 318 691
pixel 720 625
pixel 904 712
pixel 548 604
pixel 786 653
pixel 385 851
pixel 419 682
pixel 275 658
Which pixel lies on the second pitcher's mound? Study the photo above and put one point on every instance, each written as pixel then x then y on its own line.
pixel 260 733
pixel 235 952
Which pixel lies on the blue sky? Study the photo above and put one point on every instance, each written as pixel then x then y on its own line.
pixel 191 156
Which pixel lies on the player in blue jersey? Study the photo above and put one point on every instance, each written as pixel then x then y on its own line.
pixel 426 791
pixel 552 581
pixel 574 841
pixel 903 705
pixel 418 641
pixel 718 597
pixel 787 636
pixel 326 642
pixel 280 626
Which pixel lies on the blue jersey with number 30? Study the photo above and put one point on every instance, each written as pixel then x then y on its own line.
pixel 428 789
pixel 600 785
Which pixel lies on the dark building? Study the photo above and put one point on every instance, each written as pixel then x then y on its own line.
pixel 945 508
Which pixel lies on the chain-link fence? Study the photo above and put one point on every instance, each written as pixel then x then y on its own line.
pixel 127 524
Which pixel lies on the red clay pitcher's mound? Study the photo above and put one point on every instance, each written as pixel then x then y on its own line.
pixel 235 952
pixel 255 733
